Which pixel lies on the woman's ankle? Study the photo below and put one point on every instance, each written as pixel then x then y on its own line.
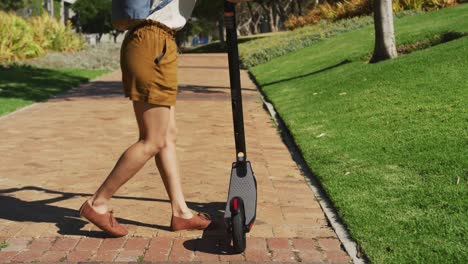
pixel 99 204
pixel 183 212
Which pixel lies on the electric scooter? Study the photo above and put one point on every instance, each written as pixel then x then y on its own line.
pixel 241 205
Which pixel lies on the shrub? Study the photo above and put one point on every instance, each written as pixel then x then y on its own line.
pixel 332 12
pixel 16 38
pixel 353 8
pixel 104 56
pixel 26 38
pixel 262 50
pixel 52 35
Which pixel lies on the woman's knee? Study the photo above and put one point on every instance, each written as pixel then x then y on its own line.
pixel 151 148
pixel 171 136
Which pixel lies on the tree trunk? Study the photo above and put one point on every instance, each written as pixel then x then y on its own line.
pixel 384 34
pixel 269 14
pixel 299 7
pixel 272 19
pixel 316 3
pixel 255 19
pixel 221 28
pixel 281 11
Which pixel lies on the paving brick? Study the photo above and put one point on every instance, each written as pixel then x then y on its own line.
pixel 6 256
pixel 278 244
pixel 257 250
pixel 104 255
pixel 337 256
pixel 333 251
pixel 158 249
pixel 133 250
pixel 41 244
pixel 64 244
pixel 28 256
pixel 227 251
pixel 330 244
pixel 112 244
pixel 136 243
pixel 261 231
pixel 283 256
pixel 129 256
pixel 307 250
pixel 89 244
pixel 143 231
pixel 207 249
pixel 284 231
pixel 79 255
pixel 281 250
pixel 17 244
pixel 317 231
pixel 53 256
pixel 179 252
pixel 12 229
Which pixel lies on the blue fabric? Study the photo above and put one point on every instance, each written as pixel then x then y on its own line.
pixel 161 5
pixel 130 9
pixel 135 9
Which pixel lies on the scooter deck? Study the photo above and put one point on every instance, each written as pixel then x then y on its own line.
pixel 243 185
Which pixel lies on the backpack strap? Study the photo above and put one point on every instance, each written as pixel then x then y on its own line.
pixel 160 6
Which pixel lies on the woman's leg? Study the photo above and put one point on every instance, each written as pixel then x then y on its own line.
pixel 166 161
pixel 154 122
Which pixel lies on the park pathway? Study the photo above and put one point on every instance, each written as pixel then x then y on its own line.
pixel 56 153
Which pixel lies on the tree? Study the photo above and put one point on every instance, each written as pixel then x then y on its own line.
pixel 252 16
pixel 94 17
pixel 210 10
pixel 13 5
pixel 385 47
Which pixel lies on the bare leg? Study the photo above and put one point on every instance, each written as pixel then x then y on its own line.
pixel 166 161
pixel 155 123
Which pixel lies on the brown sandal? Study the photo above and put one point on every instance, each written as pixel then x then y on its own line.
pixel 200 221
pixel 106 222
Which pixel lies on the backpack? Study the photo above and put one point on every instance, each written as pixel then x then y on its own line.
pixel 128 13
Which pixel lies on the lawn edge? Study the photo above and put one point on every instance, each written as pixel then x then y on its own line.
pixel 342 232
pixel 27 107
pixel 19 110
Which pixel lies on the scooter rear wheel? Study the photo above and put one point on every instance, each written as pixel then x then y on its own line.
pixel 238 232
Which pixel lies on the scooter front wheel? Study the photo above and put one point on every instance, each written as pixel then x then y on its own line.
pixel 238 232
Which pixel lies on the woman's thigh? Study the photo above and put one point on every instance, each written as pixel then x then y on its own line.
pixel 153 120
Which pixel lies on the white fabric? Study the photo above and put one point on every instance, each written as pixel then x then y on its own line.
pixel 175 14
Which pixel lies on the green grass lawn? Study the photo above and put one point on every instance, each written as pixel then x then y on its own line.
pixel 388 141
pixel 24 85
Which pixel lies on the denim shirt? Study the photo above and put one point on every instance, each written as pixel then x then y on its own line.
pixel 130 9
pixel 173 13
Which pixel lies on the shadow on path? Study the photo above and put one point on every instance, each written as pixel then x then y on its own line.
pixel 207 89
pixel 67 220
pixel 107 89
pixel 216 245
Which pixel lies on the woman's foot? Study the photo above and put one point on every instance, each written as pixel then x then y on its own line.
pixel 200 221
pixel 105 221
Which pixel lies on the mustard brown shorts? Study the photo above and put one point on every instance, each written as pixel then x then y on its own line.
pixel 148 59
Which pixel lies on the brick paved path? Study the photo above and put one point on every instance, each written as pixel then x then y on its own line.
pixel 57 153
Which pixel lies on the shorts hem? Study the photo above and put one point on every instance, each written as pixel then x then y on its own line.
pixel 150 100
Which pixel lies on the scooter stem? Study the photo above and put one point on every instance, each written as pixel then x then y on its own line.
pixel 234 76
